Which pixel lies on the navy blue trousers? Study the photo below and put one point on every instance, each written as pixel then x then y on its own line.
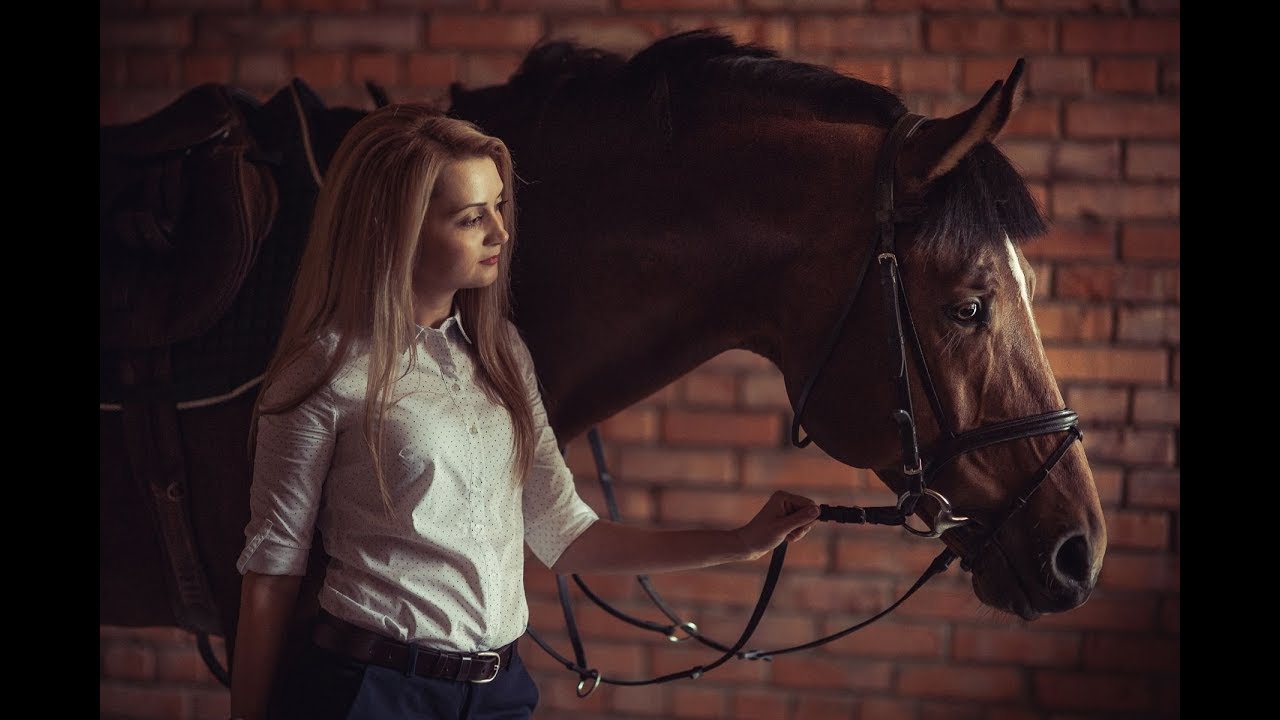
pixel 325 686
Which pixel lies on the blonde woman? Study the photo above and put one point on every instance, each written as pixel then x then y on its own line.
pixel 400 418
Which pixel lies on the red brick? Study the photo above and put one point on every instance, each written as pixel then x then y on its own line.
pixel 951 600
pixel 761 390
pixel 939 5
pixel 154 69
pixel 539 5
pixel 634 424
pixel 1072 201
pixel 1141 572
pixel 1088 691
pixel 383 31
pixel 886 709
pixel 128 662
pixel 142 703
pixel 1058 75
pixel 777 629
pixel 777 33
pixel 806 592
pixel 327 5
pixel 1073 322
pixel 706 466
pixel 649 701
pixel 1146 447
pixel 481 32
pixel 111 69
pixel 753 704
pixel 1171 614
pixel 1068 240
pixel 1160 489
pixel 384 69
pixel 1123 611
pixel 263 69
pixel 677 5
pixel 857 33
pixel 1126 76
pixel 237 33
pixel 211 704
pixel 927 74
pixel 1031 157
pixel 1138 529
pixel 1099 404
pixel 1150 241
pixel 321 70
pixel 184 666
pixel 1115 365
pixel 697 702
pixel 1101 282
pixel 1109 482
pixel 1033 119
pixel 623 35
pixel 875 70
pixel 1153 161
pixel 1133 36
pixel 1159 324
pixel 988 35
pixel 868 557
pixel 1017 646
pixel 889 639
pixel 1170 77
pixel 120 7
pixel 203 68
pixel 1087 160
pixel 151 31
pixel 800 469
pixel 814 673
pixel 432 69
pixel 742 429
pixel 709 508
pixel 968 683
pixel 817 705
pixel 485 69
pixel 1134 653
pixel 713 586
pixel 1123 119
pixel 671 658
pixel 709 389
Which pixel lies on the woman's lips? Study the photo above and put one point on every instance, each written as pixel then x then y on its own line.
pixel 490 261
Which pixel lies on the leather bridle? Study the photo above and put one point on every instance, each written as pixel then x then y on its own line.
pixel 918 470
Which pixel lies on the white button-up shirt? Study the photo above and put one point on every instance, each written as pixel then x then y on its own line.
pixel 446 567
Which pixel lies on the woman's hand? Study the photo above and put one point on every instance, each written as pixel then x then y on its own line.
pixel 785 517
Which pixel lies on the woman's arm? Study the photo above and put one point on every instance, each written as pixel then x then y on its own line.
pixel 266 606
pixel 610 547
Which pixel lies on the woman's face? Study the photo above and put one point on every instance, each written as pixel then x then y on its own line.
pixel 462 234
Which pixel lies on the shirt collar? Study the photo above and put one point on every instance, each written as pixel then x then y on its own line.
pixel 456 320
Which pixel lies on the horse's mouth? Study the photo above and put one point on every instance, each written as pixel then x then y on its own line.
pixel 996 581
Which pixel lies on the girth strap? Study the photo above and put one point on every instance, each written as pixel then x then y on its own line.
pixel 154 442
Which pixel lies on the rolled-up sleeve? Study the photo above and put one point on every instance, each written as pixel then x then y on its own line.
pixel 291 461
pixel 554 514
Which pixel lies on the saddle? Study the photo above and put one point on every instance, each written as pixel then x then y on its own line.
pixel 185 205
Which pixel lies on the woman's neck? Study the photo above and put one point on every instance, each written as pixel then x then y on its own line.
pixel 433 311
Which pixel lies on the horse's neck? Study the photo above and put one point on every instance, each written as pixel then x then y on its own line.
pixel 632 274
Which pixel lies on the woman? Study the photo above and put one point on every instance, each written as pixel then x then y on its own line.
pixel 400 417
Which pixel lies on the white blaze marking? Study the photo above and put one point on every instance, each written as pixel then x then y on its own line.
pixel 1018 275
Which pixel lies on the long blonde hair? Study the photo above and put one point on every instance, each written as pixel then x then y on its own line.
pixel 356 274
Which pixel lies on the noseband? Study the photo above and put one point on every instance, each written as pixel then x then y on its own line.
pixel 918 470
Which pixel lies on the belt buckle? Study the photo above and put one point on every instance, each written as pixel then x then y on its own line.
pixel 497 665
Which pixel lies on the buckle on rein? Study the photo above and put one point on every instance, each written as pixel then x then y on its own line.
pixel 943 521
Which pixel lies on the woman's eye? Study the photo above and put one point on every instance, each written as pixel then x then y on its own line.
pixel 472 222
pixel 968 312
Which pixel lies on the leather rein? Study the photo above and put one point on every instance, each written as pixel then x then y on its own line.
pixel 919 471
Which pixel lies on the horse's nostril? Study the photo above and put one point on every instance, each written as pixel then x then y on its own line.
pixel 1071 562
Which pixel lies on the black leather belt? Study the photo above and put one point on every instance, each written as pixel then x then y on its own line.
pixel 340 636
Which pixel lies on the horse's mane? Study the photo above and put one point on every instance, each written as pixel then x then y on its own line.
pixel 699 74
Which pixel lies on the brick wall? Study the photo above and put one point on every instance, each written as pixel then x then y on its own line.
pixel 1099 138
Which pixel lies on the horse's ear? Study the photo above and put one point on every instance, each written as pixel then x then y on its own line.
pixel 940 145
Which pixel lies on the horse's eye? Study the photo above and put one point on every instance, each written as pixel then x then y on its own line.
pixel 970 311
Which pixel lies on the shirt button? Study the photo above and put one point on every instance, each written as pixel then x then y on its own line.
pixel 456 387
pixel 474 430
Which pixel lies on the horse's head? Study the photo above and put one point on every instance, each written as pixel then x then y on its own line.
pixel 705 195
pixel 938 379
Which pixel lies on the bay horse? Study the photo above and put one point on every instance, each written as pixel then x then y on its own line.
pixel 697 197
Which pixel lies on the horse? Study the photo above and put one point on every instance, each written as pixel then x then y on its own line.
pixel 702 196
